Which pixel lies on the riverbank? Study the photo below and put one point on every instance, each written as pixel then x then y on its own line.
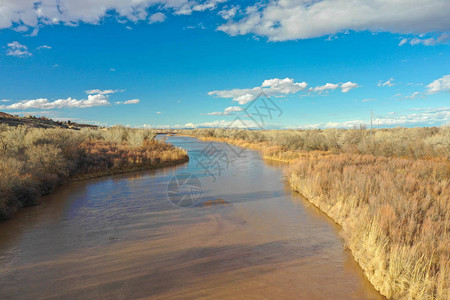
pixel 34 162
pixel 393 210
pixel 125 230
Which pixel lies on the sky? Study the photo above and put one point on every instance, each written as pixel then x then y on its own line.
pixel 218 63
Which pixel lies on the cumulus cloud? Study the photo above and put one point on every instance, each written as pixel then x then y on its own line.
pixel 17 49
pixel 221 124
pixel 348 86
pixel 271 87
pixel 44 103
pixel 228 111
pixel 283 86
pixel 158 17
pixel 278 87
pixel 44 47
pixel 212 124
pixel 132 101
pixel 229 13
pixel 206 5
pixel 345 87
pixel 387 83
pixel 95 98
pixel 414 95
pixel 432 41
pixel 326 87
pixel 101 92
pixel 439 85
pixel 281 20
pixel 426 116
pixel 36 13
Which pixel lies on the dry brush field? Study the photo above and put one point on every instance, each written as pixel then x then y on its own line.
pixel 389 191
pixel 34 161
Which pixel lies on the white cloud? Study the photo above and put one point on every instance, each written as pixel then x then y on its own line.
pixel 36 13
pixel 427 116
pixel 403 41
pixel 281 20
pixel 132 101
pixel 241 123
pixel 328 86
pixel 44 47
pixel 369 99
pixel 198 26
pixel 222 124
pixel 157 18
pixel 432 41
pixel 414 95
pixel 231 109
pixel 44 103
pixel 283 86
pixel 439 85
pixel 278 20
pixel 227 14
pixel 158 112
pixel 17 49
pixel 101 92
pixel 345 87
pixel 348 86
pixel 388 83
pixel 278 87
pixel 21 28
pixel 206 5
pixel 271 87
pixel 228 111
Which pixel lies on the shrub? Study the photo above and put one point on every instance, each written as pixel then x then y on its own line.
pixel 399 142
pixel 33 161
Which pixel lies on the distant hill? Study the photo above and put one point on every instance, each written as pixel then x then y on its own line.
pixel 5 115
pixel 40 122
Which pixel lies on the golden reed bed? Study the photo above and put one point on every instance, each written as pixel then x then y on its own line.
pixel 394 211
pixel 34 161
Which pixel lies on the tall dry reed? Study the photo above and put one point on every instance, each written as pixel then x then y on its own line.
pixel 394 213
pixel 389 190
pixel 34 161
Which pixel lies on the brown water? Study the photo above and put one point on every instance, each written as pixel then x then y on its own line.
pixel 120 237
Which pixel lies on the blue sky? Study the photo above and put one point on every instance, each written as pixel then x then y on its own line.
pixel 164 63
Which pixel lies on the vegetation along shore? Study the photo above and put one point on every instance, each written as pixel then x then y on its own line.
pixel 388 189
pixel 33 161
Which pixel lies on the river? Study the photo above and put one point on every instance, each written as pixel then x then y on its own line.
pixel 225 225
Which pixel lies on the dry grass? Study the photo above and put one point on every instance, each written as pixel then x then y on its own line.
pixel 389 192
pixel 394 214
pixel 398 142
pixel 34 161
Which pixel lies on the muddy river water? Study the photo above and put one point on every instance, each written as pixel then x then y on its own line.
pixel 179 233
